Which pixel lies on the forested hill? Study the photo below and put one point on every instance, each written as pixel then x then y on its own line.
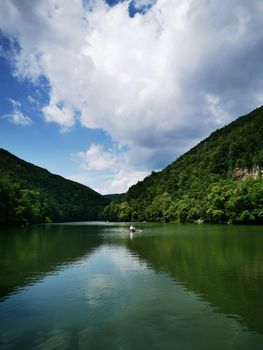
pixel 219 180
pixel 30 194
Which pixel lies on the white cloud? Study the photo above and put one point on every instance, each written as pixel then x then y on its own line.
pixel 117 181
pixel 95 158
pixel 216 109
pixel 15 104
pixel 157 82
pixel 107 171
pixel 31 100
pixel 121 181
pixel 64 116
pixel 16 116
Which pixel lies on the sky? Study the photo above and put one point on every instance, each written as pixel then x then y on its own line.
pixel 105 92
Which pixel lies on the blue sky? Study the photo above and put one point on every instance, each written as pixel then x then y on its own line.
pixel 105 92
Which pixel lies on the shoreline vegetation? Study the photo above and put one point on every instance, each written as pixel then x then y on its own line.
pixel 225 202
pixel 218 181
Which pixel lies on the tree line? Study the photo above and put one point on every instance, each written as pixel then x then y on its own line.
pixel 224 202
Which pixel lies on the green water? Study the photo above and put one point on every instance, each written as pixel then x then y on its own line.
pixel 94 286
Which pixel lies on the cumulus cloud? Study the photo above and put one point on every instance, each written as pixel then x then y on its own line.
pixel 158 82
pixel 110 168
pixel 64 116
pixel 16 116
pixel 117 181
pixel 95 158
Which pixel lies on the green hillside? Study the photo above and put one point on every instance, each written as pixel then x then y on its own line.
pixel 117 197
pixel 219 180
pixel 30 194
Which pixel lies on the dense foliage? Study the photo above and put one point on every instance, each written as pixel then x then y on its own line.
pixel 30 194
pixel 219 180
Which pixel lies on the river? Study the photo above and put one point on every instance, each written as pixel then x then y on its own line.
pixel 165 286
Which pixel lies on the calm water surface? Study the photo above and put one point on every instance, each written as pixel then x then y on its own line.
pixel 93 286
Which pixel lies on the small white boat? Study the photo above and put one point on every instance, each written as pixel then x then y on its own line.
pixel 132 228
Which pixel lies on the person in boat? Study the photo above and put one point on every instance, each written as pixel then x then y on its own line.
pixel 132 228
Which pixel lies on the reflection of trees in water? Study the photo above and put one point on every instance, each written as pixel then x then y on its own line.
pixel 222 264
pixel 28 254
pixel 225 267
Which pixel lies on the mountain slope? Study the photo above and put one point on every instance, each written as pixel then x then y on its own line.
pixel 32 194
pixel 205 183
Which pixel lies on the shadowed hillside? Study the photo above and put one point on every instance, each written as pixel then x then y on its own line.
pixel 30 194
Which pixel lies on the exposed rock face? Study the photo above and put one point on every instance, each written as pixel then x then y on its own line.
pixel 244 173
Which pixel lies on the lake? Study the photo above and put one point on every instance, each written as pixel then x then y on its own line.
pixel 166 286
